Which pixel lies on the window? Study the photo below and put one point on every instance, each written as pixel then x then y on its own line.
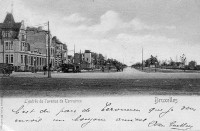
pixel 37 61
pixel 11 46
pixel 11 58
pixel 6 34
pixel 21 46
pixel 25 59
pixel 6 45
pixel 31 60
pixel 23 37
pixel 40 61
pixel 6 58
pixel 21 58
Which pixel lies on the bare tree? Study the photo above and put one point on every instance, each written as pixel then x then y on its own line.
pixel 183 60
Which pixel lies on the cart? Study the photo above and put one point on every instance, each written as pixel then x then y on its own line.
pixel 6 69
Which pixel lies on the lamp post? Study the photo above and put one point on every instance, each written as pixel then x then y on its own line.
pixel 142 58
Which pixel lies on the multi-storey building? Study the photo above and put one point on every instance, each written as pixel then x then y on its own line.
pixel 38 39
pixel 61 52
pixel 13 47
pixel 84 59
pixel 25 48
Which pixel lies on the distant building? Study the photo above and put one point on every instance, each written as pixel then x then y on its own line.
pixel 85 59
pixel 88 59
pixel 78 58
pixel 61 52
pixel 70 59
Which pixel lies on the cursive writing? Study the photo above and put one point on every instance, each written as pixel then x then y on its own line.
pixel 155 124
pixel 165 112
pixel 29 120
pixel 22 110
pixel 63 110
pixel 88 120
pixel 154 109
pixel 188 108
pixel 182 126
pixel 108 108
pixel 131 120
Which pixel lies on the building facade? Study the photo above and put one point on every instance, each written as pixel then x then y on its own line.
pixel 61 52
pixel 85 59
pixel 25 48
pixel 38 39
pixel 13 47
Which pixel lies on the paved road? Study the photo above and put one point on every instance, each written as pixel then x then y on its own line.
pixel 128 73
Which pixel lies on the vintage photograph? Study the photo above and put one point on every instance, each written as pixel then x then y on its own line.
pixel 97 49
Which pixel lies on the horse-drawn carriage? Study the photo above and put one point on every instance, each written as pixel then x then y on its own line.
pixel 70 68
pixel 6 69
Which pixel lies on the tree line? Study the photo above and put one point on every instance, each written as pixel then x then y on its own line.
pixel 168 64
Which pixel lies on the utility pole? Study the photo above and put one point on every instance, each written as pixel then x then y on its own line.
pixel 2 41
pixel 142 58
pixel 12 7
pixel 49 64
pixel 80 59
pixel 74 53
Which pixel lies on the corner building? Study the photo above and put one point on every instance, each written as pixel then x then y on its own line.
pixel 25 48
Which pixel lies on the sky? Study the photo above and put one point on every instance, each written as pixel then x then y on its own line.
pixel 118 29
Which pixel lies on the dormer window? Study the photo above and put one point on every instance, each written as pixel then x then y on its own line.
pixel 6 34
pixel 23 37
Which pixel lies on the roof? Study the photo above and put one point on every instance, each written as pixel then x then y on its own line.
pixel 9 23
pixel 34 29
pixel 87 51
pixel 57 41
pixel 9 18
pixel 64 46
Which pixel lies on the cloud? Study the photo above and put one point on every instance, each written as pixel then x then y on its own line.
pixel 108 21
pixel 111 21
pixel 137 25
pixel 75 18
pixel 110 37
pixel 145 39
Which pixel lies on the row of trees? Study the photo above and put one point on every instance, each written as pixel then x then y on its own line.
pixel 154 62
pixel 100 60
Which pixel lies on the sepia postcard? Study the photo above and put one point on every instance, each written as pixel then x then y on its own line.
pixel 106 65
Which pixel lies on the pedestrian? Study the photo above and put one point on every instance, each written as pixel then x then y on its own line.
pixel 50 65
pixel 102 68
pixel 44 69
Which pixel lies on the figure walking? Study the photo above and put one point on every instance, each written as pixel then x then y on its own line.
pixel 44 69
